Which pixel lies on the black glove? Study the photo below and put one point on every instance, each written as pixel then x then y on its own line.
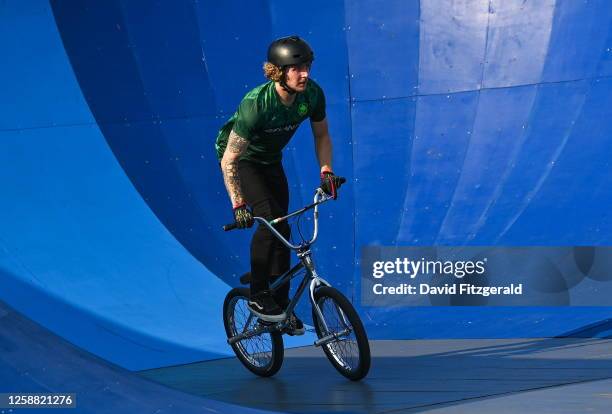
pixel 243 216
pixel 330 183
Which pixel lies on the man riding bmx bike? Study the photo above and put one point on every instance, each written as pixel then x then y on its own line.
pixel 249 147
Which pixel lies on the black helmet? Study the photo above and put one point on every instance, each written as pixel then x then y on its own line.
pixel 289 50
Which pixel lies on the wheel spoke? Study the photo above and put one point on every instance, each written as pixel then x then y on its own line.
pixel 256 349
pixel 344 350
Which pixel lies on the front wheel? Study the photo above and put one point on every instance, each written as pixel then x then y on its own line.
pixel 262 354
pixel 349 350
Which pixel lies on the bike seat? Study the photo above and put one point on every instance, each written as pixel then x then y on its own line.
pixel 245 279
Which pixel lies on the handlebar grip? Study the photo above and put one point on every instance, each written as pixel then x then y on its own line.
pixel 229 227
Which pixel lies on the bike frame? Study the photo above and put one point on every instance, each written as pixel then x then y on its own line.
pixel 311 278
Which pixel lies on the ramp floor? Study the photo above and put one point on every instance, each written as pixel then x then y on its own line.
pixel 429 376
pixel 34 360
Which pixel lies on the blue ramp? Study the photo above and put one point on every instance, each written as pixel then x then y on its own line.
pixel 482 123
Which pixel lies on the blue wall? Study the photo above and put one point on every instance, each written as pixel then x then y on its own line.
pixel 456 122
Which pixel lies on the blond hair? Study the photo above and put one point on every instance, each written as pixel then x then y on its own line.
pixel 272 72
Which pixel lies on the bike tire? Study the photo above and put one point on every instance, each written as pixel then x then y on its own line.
pixel 264 367
pixel 351 366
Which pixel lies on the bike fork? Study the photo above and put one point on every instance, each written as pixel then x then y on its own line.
pixel 315 282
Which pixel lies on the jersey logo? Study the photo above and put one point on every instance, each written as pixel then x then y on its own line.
pixel 286 128
pixel 303 108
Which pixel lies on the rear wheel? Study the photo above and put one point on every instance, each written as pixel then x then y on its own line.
pixel 262 354
pixel 349 350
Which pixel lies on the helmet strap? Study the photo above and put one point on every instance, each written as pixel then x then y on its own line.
pixel 287 88
pixel 283 83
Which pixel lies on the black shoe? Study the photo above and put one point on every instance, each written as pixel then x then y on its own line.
pixel 282 303
pixel 262 304
pixel 295 327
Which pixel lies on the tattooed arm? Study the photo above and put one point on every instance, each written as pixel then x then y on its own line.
pixel 236 146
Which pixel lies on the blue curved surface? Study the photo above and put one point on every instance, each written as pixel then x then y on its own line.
pixel 34 360
pixel 457 123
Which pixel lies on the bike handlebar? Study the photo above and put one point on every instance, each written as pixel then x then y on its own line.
pixel 320 197
pixel 229 227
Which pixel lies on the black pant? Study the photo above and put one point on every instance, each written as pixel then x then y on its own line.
pixel 266 191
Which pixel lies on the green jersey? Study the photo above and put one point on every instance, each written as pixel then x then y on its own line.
pixel 268 124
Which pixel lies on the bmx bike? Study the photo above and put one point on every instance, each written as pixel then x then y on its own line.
pixel 259 344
